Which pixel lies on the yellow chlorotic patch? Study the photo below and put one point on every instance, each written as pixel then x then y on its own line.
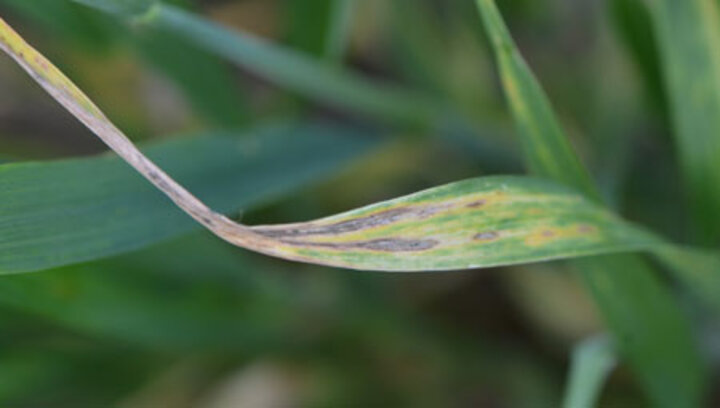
pixel 545 235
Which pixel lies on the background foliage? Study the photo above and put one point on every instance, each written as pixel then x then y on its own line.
pixel 315 107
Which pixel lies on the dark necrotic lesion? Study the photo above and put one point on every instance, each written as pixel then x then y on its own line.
pixel 382 218
pixel 398 245
pixel 486 236
pixel 382 244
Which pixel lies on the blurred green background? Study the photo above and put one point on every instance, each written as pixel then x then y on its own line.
pixel 193 322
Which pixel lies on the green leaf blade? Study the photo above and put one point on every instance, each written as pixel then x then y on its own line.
pixel 70 211
pixel 650 330
pixel 592 362
pixel 689 36
pixel 548 151
pixel 298 72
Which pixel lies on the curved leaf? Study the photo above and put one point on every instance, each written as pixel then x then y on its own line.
pixel 475 223
pixel 69 211
pixel 468 224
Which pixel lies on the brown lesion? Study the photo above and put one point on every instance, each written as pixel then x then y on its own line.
pixel 586 229
pixel 486 236
pixel 383 218
pixel 548 234
pixel 381 244
pixel 397 245
pixel 476 204
pixel 42 62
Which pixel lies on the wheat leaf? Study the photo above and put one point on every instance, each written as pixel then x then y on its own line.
pixel 468 224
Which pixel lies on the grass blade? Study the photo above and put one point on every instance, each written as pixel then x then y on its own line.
pixel 425 231
pixel 627 298
pixel 592 362
pixel 295 71
pixel 547 151
pixel 283 66
pixel 369 238
pixel 309 77
pixel 522 220
pixel 689 37
pixel 651 333
pixel 70 211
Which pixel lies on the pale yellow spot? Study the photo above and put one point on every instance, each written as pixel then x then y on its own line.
pixel 546 235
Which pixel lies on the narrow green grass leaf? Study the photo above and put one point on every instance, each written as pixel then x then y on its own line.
pixel 548 152
pixel 592 362
pixel 295 71
pixel 657 346
pixel 652 334
pixel 689 37
pixel 63 212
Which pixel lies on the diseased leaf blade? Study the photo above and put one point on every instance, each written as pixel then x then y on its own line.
pixel 468 224
pixel 389 252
